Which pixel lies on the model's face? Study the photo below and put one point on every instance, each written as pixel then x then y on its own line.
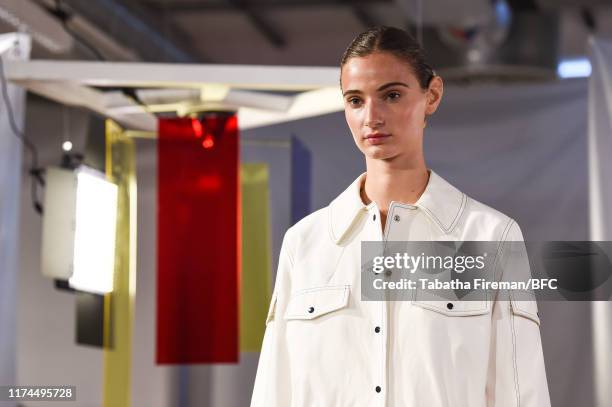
pixel 385 106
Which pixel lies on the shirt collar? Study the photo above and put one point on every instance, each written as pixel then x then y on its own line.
pixel 441 202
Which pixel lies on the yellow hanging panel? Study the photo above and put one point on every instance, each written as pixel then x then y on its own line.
pixel 256 266
pixel 119 306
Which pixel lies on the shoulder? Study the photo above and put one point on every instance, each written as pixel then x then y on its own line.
pixel 485 212
pixel 461 216
pixel 311 228
pixel 483 218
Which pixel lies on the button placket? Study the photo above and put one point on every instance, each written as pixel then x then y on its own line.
pixel 383 329
pixel 374 232
pixel 399 217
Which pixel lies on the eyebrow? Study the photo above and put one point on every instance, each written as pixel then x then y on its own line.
pixel 383 87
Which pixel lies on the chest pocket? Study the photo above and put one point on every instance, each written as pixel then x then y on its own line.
pixel 314 302
pixel 454 308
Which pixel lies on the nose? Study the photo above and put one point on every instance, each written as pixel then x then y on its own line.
pixel 373 115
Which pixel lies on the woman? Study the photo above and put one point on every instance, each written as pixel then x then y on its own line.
pixel 323 345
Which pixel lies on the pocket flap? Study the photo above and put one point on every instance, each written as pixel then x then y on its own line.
pixel 314 302
pixel 525 305
pixel 455 308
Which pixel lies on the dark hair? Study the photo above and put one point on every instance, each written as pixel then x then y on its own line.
pixel 395 41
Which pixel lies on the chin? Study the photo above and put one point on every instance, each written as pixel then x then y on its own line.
pixel 378 152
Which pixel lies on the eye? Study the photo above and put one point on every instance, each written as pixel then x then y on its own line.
pixel 394 95
pixel 354 101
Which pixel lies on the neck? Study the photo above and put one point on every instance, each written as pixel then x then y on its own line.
pixel 388 180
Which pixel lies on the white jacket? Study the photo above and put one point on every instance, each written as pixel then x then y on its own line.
pixel 324 347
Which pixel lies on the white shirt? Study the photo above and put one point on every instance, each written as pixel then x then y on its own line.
pixel 324 347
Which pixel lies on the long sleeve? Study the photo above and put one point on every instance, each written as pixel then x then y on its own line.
pixel 516 374
pixel 273 380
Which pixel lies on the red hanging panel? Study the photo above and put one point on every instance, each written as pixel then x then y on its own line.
pixel 198 240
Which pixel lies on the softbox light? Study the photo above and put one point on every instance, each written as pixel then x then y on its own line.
pixel 79 227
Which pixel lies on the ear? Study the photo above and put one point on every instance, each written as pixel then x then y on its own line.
pixel 434 94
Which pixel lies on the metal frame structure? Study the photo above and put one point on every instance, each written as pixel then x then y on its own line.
pixel 14 46
pixel 93 85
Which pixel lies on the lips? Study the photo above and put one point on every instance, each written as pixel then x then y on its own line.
pixel 377 135
pixel 376 138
